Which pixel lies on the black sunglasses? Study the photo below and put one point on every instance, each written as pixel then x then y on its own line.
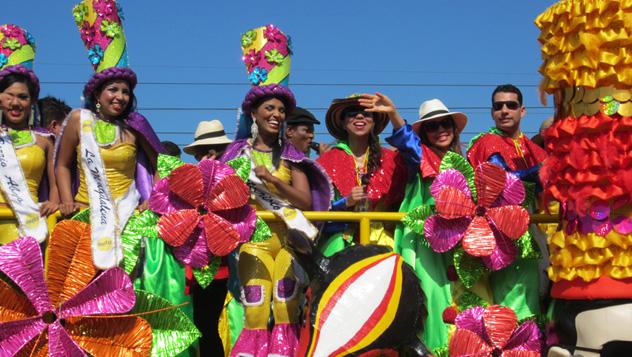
pixel 511 105
pixel 354 113
pixel 432 126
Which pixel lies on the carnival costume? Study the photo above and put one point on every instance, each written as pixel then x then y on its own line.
pixel 24 169
pixel 384 187
pixel 265 268
pixel 121 171
pixel 589 171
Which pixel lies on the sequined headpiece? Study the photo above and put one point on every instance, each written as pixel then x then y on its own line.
pixel 101 29
pixel 17 53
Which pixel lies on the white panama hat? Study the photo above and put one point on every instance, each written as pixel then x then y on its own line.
pixel 435 109
pixel 208 133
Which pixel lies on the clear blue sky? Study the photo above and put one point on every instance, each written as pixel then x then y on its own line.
pixel 466 46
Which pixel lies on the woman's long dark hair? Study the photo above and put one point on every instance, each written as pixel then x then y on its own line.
pixel 375 157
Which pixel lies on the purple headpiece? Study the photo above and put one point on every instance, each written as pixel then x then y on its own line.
pixel 17 52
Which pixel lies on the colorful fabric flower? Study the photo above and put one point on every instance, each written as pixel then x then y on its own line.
pixel 274 56
pixel 87 34
pixel 104 8
pixel 110 28
pixel 273 34
pixel 11 31
pixel 251 59
pixel 62 312
pixel 3 60
pixel 597 220
pixel 486 228
pixel 248 38
pixel 494 331
pixel 79 12
pixel 204 210
pixel 12 43
pixel 95 54
pixel 258 75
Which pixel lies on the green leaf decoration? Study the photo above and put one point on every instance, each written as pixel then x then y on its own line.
pixel 262 232
pixel 167 163
pixel 205 275
pixel 468 299
pixel 172 331
pixel 416 218
pixel 241 165
pixel 441 352
pixel 452 160
pixel 530 197
pixel 138 226
pixel 469 268
pixel 527 248
pixel 82 216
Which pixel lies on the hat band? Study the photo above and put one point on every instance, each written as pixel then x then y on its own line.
pixel 215 134
pixel 428 115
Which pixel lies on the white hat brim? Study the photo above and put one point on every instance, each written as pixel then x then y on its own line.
pixel 220 140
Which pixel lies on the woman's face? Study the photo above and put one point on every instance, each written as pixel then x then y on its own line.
pixel 114 98
pixel 269 116
pixel 440 132
pixel 16 102
pixel 358 122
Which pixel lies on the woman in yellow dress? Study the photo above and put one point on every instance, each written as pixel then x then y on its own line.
pixel 26 155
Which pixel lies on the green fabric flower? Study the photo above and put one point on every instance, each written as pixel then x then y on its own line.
pixel 12 43
pixel 274 56
pixel 248 38
pixel 111 29
pixel 79 12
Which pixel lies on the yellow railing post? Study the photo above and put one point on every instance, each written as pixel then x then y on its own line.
pixel 365 230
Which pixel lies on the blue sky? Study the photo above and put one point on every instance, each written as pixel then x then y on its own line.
pixel 454 50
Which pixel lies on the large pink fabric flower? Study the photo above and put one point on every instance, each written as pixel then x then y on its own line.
pixel 486 228
pixel 494 331
pixel 59 312
pixel 204 210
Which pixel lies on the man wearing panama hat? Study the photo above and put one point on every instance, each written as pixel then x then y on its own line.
pixel 210 141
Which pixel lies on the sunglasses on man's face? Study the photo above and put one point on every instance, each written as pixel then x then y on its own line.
pixel 511 105
pixel 432 126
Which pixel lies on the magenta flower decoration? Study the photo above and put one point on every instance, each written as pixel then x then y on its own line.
pixel 273 34
pixel 11 31
pixel 28 316
pixel 486 228
pixel 104 8
pixel 87 34
pixel 204 211
pixel 251 59
pixel 494 331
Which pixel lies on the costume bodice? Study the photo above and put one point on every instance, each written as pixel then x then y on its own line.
pixel 120 168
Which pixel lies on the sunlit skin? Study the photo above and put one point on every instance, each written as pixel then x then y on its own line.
pixel 358 125
pixel 114 99
pixel 16 105
pixel 269 117
pixel 506 119
pixel 301 136
pixel 441 138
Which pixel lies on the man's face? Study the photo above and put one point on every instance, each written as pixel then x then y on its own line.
pixel 301 136
pixel 507 112
pixel 209 152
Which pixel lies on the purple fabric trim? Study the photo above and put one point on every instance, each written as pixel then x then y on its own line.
pixel 271 90
pixel 285 288
pixel 319 182
pixel 99 78
pixel 20 69
pixel 253 294
pixel 140 124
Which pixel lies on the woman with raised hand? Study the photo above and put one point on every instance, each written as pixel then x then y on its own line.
pixel 26 154
pixel 366 176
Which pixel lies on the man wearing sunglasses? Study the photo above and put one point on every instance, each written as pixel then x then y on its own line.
pixel 518 285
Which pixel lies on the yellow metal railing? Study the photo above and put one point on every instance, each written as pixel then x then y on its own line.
pixel 363 218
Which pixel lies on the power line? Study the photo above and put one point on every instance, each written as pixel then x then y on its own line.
pixel 316 133
pixel 313 109
pixel 242 84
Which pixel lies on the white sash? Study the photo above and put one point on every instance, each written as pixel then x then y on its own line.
pixel 107 217
pixel 293 217
pixel 17 194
